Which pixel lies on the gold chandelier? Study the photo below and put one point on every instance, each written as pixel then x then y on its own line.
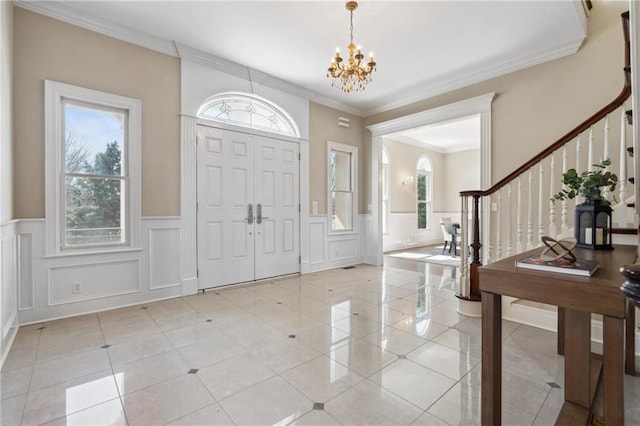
pixel 353 74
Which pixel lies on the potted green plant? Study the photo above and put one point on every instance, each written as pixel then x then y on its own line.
pixel 588 184
pixel 592 223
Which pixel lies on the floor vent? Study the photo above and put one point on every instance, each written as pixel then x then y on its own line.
pixel 348 267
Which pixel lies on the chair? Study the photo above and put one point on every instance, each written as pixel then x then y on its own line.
pixel 449 234
pixel 446 235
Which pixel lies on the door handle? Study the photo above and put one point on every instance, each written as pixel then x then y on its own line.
pixel 249 217
pixel 259 217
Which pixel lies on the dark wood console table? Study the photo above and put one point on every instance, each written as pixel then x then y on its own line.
pixel 577 297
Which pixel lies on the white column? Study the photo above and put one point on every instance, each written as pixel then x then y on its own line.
pixel 188 199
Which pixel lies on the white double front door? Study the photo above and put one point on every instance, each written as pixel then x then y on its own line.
pixel 248 207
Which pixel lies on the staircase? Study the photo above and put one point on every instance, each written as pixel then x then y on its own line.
pixel 517 211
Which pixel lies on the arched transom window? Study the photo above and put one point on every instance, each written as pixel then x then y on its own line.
pixel 423 192
pixel 247 110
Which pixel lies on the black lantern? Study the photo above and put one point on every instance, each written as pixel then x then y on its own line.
pixel 593 225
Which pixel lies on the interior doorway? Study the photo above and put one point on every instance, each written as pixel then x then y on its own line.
pixel 480 105
pixel 248 216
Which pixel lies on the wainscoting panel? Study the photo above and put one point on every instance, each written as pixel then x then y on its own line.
pixel 9 290
pixel 164 257
pixel 343 248
pixel 25 271
pixel 331 251
pixel 74 283
pixel 48 285
pixel 317 236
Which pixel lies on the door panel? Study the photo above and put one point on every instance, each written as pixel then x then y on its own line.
pixel 278 237
pixel 235 170
pixel 225 183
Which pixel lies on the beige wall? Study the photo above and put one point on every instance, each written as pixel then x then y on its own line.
pixel 536 106
pixel 323 127
pixel 6 121
pixel 45 48
pixel 461 172
pixel 403 159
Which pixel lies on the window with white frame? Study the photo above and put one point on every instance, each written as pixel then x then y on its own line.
pixel 423 192
pixel 93 169
pixel 249 110
pixel 385 190
pixel 342 163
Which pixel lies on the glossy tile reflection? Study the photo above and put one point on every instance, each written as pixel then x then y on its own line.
pixel 368 345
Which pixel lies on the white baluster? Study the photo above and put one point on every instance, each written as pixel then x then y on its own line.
pixel 519 245
pixel 578 148
pixel 509 236
pixel 590 157
pixel 552 205
pixel 499 227
pixel 606 151
pixel 530 212
pixel 622 176
pixel 540 203
pixel 565 223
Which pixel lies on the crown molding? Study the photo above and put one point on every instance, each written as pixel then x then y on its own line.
pixel 466 78
pixel 426 145
pixel 63 12
pixel 478 105
pixel 257 76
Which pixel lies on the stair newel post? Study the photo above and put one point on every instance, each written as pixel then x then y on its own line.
pixel 470 282
pixel 623 158
pixel 509 236
pixel 552 206
pixel 564 212
pixel 476 245
pixel 519 245
pixel 464 284
pixel 540 203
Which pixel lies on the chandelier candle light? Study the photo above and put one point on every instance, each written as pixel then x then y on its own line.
pixel 353 74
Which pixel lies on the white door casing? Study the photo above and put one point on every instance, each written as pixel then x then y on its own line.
pixel 236 172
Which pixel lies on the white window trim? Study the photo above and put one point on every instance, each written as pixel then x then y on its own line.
pixel 55 92
pixel 353 150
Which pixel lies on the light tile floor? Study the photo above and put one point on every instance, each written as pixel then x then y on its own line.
pixel 368 345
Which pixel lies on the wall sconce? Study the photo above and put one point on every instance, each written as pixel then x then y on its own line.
pixel 408 180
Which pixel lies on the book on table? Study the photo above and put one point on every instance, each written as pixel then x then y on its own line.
pixel 584 268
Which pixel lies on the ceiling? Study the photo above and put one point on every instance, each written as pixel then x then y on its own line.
pixel 422 48
pixel 461 134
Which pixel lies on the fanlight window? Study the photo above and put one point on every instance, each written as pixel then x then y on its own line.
pixel 247 110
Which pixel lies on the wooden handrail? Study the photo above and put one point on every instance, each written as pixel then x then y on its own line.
pixel 610 107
